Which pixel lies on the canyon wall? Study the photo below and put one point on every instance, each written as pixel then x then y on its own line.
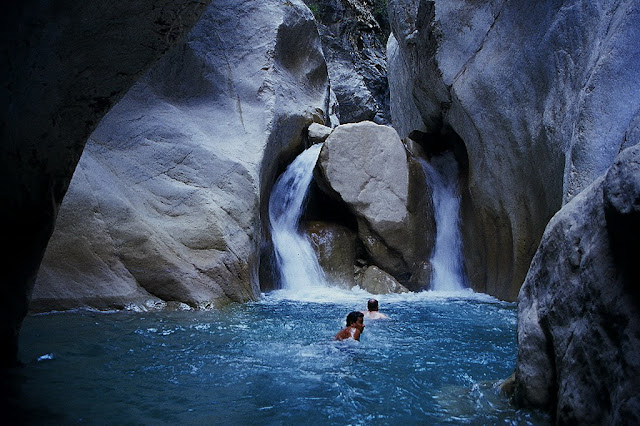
pixel 543 96
pixel 167 206
pixel 354 34
pixel 64 65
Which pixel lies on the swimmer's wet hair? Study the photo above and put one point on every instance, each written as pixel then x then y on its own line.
pixel 372 305
pixel 353 317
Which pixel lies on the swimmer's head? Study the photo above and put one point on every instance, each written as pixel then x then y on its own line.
pixel 353 317
pixel 372 305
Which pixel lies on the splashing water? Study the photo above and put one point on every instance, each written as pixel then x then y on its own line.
pixel 438 360
pixel 448 273
pixel 297 262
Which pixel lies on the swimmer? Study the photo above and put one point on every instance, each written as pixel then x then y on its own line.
pixel 355 326
pixel 372 313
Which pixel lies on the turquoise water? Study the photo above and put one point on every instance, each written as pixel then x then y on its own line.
pixel 435 361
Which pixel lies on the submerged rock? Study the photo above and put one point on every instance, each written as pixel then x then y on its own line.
pixel 578 310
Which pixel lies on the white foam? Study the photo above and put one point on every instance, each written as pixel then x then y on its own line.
pixel 359 296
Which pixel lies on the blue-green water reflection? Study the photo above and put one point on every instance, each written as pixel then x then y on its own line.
pixel 435 361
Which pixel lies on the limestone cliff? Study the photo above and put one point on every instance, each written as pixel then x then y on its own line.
pixel 165 205
pixel 542 95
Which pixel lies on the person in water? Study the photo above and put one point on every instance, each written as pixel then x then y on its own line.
pixel 355 327
pixel 373 313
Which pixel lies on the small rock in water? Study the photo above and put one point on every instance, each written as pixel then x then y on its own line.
pixel 45 357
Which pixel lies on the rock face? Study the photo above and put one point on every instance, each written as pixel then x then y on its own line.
pixel 64 66
pixel 165 204
pixel 318 133
pixel 538 124
pixel 579 307
pixel 376 281
pixel 353 35
pixel 335 247
pixel 365 165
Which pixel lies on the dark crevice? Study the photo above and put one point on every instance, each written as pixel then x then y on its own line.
pixel 322 207
pixel 438 143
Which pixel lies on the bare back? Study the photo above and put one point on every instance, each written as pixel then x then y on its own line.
pixel 374 315
pixel 348 333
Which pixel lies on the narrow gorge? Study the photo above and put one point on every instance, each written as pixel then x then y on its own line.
pixel 199 155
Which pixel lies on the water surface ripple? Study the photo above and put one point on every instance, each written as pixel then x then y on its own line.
pixel 436 361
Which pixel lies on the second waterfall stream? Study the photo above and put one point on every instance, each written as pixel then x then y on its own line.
pixel 447 261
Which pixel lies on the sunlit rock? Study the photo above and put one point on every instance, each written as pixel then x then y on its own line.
pixel 165 202
pixel 318 133
pixel 366 167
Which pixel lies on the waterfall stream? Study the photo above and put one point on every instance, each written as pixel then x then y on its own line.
pixel 446 259
pixel 297 262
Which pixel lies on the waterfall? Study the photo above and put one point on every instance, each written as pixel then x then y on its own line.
pixel 446 259
pixel 296 260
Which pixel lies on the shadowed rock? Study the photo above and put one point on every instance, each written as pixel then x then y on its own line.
pixel 353 35
pixel 578 310
pixel 335 246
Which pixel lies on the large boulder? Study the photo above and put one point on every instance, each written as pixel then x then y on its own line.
pixel 64 65
pixel 538 123
pixel 165 204
pixel 579 310
pixel 366 166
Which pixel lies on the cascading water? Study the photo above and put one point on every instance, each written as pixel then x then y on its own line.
pixel 446 259
pixel 296 260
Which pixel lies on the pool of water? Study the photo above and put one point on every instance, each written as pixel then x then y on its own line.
pixel 437 360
